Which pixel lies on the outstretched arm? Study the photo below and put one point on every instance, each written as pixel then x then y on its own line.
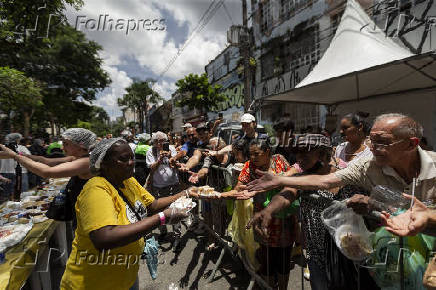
pixel 270 181
pixel 51 161
pixel 262 219
pixel 68 169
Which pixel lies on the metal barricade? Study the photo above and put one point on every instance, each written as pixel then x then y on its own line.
pixel 222 179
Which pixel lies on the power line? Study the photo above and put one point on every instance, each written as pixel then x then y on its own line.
pixel 228 14
pixel 204 20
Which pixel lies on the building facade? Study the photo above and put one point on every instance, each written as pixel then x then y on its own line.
pixel 226 71
pixel 290 36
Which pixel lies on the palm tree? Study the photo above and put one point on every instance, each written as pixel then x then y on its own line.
pixel 140 95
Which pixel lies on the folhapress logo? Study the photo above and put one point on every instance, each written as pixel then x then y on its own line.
pixel 40 28
pixel 106 23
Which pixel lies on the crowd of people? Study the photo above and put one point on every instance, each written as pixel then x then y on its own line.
pixel 277 186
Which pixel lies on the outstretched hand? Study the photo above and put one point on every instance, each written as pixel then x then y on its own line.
pixel 6 153
pixel 260 222
pixel 409 223
pixel 4 179
pixel 265 182
pixel 244 194
pixel 194 178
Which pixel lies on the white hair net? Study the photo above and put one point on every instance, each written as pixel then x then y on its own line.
pixel 99 152
pixel 13 137
pixel 144 137
pixel 80 136
pixel 159 135
pixel 126 133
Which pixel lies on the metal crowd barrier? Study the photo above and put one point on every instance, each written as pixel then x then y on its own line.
pixel 218 229
pixel 217 178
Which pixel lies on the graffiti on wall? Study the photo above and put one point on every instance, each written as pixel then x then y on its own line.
pixel 235 98
pixel 412 22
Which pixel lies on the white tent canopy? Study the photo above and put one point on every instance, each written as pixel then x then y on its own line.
pixel 361 62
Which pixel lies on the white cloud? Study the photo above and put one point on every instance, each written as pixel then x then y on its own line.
pixel 154 49
pixel 108 98
pixel 165 89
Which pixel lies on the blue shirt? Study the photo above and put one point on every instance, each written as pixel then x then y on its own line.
pixel 189 148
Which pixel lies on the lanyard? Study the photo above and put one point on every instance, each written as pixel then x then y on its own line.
pixel 132 208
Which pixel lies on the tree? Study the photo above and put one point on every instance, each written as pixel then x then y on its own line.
pixel 140 95
pixel 19 94
pixel 93 118
pixel 197 92
pixel 64 61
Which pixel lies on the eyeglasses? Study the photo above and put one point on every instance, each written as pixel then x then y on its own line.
pixel 384 146
pixel 191 135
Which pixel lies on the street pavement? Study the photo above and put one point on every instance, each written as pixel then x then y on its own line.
pixel 191 268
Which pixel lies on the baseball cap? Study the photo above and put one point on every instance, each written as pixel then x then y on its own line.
pixel 248 118
pixel 187 125
pixel 202 126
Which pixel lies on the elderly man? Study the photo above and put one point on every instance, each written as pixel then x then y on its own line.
pixel 397 160
pixel 215 143
pixel 188 148
pixel 203 134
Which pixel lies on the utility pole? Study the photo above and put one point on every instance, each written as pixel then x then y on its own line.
pixel 245 45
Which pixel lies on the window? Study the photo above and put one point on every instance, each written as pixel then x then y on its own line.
pixel 305 50
pixel 267 65
pixel 288 8
pixel 266 16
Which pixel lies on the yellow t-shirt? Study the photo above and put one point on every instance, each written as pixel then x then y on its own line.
pixel 99 205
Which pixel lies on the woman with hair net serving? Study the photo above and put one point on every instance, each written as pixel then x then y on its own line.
pixel 77 143
pixel 114 213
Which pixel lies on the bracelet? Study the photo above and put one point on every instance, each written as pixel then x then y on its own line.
pixel 162 218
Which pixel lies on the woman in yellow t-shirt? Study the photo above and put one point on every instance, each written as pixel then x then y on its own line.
pixel 114 212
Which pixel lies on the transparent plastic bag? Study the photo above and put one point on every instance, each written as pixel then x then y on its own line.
pixel 183 205
pixel 386 199
pixel 348 231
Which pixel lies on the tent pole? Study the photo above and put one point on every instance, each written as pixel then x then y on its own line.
pixel 357 87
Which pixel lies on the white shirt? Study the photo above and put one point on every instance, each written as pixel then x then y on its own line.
pixel 133 147
pixel 8 165
pixel 340 153
pixel 164 175
pixel 366 173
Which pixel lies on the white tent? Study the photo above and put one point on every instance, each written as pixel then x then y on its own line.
pixel 361 62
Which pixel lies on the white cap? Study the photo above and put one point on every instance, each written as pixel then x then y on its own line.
pixel 248 118
pixel 187 125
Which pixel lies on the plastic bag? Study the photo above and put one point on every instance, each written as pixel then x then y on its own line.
pixel 151 250
pixel 348 231
pixel 183 205
pixel 384 262
pixel 383 198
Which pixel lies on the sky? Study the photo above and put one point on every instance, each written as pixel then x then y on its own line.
pixel 143 54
